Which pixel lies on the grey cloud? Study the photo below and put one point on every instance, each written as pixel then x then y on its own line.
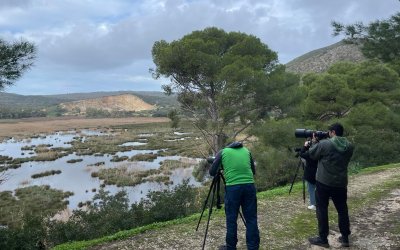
pixel 74 51
pixel 130 39
pixel 14 3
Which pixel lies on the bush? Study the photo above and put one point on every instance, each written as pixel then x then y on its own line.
pixel 274 167
pixel 29 235
pixel 108 214
pixel 168 204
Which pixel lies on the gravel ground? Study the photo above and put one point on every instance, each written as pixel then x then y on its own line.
pixel 372 226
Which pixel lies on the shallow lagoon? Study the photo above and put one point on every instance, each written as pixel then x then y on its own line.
pixel 76 177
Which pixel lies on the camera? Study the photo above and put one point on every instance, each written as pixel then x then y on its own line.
pixel 306 133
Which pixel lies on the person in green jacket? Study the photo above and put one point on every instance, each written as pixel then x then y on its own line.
pixel 333 156
pixel 238 168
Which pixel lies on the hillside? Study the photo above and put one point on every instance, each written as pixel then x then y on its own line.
pixel 24 101
pixel 284 221
pixel 319 60
pixel 15 100
pixel 125 102
pixel 152 97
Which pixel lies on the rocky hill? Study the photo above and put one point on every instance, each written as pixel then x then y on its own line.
pixel 125 102
pixel 319 60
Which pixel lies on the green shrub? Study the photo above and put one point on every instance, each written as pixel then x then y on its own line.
pixel 31 234
pixel 47 173
pixel 108 214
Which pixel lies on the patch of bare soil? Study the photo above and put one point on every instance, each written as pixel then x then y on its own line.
pixel 27 127
pixel 372 227
pixel 125 102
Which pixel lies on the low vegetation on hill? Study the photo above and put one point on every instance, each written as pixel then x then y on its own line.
pixel 320 60
pixel 96 104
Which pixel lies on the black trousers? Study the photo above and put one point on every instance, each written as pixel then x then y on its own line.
pixel 339 198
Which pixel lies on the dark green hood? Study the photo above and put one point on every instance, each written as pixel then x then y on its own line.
pixel 340 143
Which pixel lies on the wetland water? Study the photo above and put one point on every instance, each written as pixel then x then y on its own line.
pixel 76 177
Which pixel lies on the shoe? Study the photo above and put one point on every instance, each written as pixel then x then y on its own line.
pixel 312 207
pixel 319 242
pixel 344 241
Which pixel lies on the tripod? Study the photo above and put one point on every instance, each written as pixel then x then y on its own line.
pixel 299 165
pixel 215 190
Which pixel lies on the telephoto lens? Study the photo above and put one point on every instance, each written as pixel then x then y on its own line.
pixel 306 133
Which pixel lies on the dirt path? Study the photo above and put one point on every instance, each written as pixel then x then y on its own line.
pixel 372 225
pixel 26 127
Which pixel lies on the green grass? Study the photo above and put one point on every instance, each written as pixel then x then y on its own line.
pixel 375 169
pixel 273 193
pixel 396 227
pixel 126 234
pixel 298 228
pixel 305 222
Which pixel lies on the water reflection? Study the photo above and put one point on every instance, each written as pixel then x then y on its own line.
pixel 15 148
pixel 76 177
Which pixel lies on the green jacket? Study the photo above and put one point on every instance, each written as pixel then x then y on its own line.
pixel 237 163
pixel 333 156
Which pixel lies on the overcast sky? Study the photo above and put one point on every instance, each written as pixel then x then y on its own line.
pixel 105 45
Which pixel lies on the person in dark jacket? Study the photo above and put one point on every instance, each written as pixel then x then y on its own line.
pixel 333 156
pixel 310 171
pixel 238 168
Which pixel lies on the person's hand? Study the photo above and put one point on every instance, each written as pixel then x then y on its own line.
pixel 314 138
pixel 307 144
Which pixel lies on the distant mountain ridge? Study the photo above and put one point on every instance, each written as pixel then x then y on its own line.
pixel 11 100
pixel 320 60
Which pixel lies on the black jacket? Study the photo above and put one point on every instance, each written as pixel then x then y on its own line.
pixel 310 168
pixel 333 157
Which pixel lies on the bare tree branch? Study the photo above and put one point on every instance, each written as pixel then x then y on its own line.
pixel 3 177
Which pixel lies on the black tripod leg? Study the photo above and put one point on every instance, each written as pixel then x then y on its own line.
pixel 218 205
pixel 209 216
pixel 304 186
pixel 295 176
pixel 206 201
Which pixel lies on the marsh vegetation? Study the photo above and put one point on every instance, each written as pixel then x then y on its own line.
pixel 136 157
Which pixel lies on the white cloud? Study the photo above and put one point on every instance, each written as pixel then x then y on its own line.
pixel 86 44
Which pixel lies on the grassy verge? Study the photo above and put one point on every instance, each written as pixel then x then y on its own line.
pixel 297 228
pixel 304 223
pixel 125 234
